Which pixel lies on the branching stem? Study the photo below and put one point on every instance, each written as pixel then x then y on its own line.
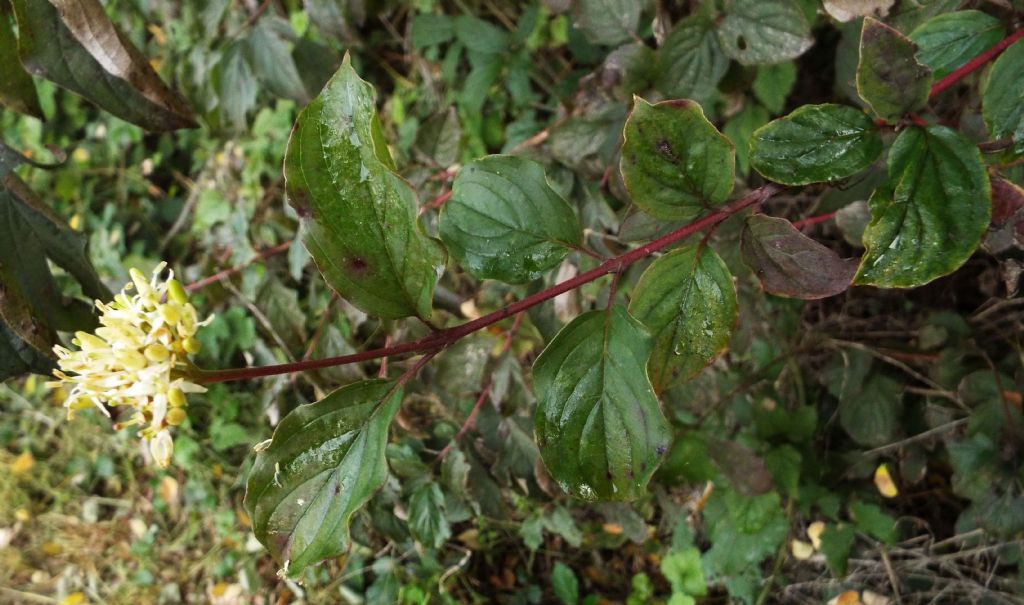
pixel 444 338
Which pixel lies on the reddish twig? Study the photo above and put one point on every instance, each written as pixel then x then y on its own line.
pixel 813 220
pixel 226 273
pixel 484 393
pixel 443 338
pixel 974 64
pixel 437 202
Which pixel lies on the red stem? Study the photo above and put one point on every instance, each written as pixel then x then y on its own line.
pixel 226 273
pixel 975 63
pixel 813 220
pixel 443 338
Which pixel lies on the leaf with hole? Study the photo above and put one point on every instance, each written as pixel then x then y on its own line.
pixel 948 41
pixel 75 45
pixel 675 163
pixel 815 143
pixel 324 462
pixel 889 78
pixel 599 426
pixel 754 32
pixel 929 218
pixel 687 300
pixel 789 263
pixel 505 222
pixel 359 215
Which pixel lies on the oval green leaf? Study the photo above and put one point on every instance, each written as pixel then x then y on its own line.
pixel 755 32
pixel 815 143
pixel 690 61
pixel 675 163
pixel 948 41
pixel 324 462
pixel 359 216
pixel 1003 99
pixel 889 78
pixel 599 426
pixel 687 300
pixel 505 222
pixel 930 217
pixel 607 21
pixel 789 263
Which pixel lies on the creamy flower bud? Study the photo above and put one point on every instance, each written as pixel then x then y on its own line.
pixel 136 359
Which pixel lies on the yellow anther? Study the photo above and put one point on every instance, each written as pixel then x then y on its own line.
pixel 192 345
pixel 175 416
pixel 157 352
pixel 176 292
pixel 176 397
pixel 131 360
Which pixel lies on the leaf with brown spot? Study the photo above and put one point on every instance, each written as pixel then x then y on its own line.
pixel 789 263
pixel 744 469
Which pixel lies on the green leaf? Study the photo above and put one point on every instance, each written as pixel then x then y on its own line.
pixel 743 530
pixel 740 129
pixel 505 222
pixel 687 300
pixel 871 414
pixel 836 542
pixel 430 29
pixel 930 217
pixel 773 84
pixel 608 22
pixel 17 91
pixel 871 520
pixel 675 163
pixel 271 59
pixel 789 263
pixel 685 573
pixel 599 426
pixel 358 214
pixel 564 584
pixel 744 469
pixel 236 86
pixel 948 41
pixel 324 462
pixel 481 36
pixel 337 18
pixel 427 522
pixel 1003 98
pixel 815 143
pixel 889 78
pixel 80 49
pixel 690 61
pixel 755 32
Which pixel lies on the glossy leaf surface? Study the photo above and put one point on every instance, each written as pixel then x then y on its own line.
pixel 931 215
pixel 505 222
pixel 687 300
pixel 78 47
pixel 815 143
pixel 326 459
pixel 359 215
pixel 675 163
pixel 755 32
pixel 599 426
pixel 889 77
pixel 950 40
pixel 1003 99
pixel 789 263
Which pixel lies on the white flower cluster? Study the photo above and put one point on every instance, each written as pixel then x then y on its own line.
pixel 138 357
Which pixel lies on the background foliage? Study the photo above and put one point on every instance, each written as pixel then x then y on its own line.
pixel 787 429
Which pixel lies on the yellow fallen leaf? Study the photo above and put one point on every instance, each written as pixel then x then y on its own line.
pixel 873 598
pixel 814 531
pixel 801 550
pixel 75 598
pixel 612 528
pixel 51 549
pixel 23 463
pixel 850 597
pixel 883 481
